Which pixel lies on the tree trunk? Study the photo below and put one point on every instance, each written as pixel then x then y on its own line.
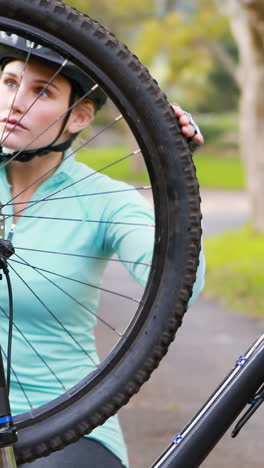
pixel 247 22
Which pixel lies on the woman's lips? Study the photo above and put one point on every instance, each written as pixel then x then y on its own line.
pixel 13 123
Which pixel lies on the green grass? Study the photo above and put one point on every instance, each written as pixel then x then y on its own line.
pixel 98 158
pixel 217 171
pixel 214 170
pixel 235 270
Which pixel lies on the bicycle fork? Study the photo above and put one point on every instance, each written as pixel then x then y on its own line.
pixel 8 434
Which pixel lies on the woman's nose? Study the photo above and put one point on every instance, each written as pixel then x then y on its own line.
pixel 19 101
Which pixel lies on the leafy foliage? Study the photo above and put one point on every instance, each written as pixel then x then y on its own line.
pixel 173 38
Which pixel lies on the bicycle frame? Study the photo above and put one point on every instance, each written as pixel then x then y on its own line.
pixel 201 434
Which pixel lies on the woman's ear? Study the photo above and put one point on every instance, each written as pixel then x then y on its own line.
pixel 82 115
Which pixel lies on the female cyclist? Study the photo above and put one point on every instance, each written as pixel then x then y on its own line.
pixel 37 140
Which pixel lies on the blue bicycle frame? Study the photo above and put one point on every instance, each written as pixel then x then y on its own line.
pixel 242 386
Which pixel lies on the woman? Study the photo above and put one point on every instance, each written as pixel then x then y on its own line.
pixel 40 164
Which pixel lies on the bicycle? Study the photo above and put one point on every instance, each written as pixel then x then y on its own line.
pixel 151 319
pixel 155 315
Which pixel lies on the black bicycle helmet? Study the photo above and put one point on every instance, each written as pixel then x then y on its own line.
pixel 14 47
pixel 17 47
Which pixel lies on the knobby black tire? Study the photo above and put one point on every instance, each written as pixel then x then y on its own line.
pixel 177 209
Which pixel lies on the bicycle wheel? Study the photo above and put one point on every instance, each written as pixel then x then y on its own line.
pixel 149 329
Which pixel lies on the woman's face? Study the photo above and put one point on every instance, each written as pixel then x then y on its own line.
pixel 51 104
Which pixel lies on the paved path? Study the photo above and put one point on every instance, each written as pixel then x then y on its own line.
pixel 223 211
pixel 205 349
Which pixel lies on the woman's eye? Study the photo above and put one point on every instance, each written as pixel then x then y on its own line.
pixel 11 84
pixel 43 93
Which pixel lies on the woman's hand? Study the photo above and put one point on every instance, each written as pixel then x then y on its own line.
pixel 189 128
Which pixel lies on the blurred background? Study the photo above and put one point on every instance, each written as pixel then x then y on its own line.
pixel 208 56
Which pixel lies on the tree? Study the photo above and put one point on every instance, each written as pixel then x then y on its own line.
pixel 223 92
pixel 179 41
pixel 180 44
pixel 247 21
pixel 119 16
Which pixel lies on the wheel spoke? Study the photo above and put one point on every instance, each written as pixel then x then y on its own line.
pixel 110 192
pixel 55 317
pixel 77 281
pixel 96 221
pixel 34 349
pixel 15 96
pixel 45 174
pixel 46 129
pixel 117 260
pixel 34 101
pixel 19 383
pixel 73 298
pixel 68 186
